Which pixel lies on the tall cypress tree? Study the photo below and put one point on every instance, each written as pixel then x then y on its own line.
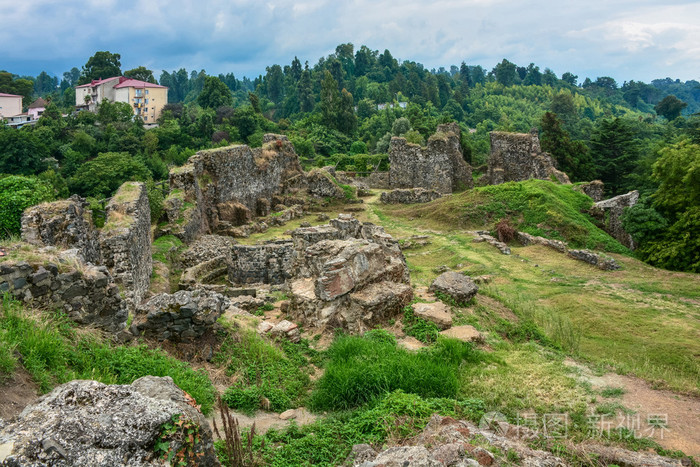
pixel 614 152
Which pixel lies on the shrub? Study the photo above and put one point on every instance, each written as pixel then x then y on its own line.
pixel 506 232
pixel 415 326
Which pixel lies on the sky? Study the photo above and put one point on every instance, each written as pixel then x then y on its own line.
pixel 625 39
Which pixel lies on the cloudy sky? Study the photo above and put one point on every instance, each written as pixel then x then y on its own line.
pixel 625 39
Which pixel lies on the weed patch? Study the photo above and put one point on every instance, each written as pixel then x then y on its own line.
pixel 415 326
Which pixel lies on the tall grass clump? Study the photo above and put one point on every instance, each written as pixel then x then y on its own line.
pixel 266 376
pixel 362 369
pixel 53 353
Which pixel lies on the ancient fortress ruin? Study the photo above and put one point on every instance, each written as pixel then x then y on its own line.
pixel 344 274
pixel 517 157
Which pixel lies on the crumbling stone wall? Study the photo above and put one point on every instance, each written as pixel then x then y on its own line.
pixel 440 166
pixel 595 189
pixel 65 224
pixel 186 314
pixel 88 295
pixel 321 184
pixel 269 263
pixel 409 196
pixel 518 156
pixel 219 189
pixel 125 239
pixel 613 209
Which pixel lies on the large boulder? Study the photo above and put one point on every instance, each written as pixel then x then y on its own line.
pixel 348 275
pixel 93 424
pixel 455 285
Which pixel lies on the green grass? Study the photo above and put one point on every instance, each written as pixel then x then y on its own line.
pixel 263 370
pixel 609 392
pixel 162 246
pixel 363 369
pixel 394 417
pixel 53 353
pixel 415 326
pixel 639 320
pixel 537 207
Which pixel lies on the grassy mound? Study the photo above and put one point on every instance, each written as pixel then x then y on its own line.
pixel 538 207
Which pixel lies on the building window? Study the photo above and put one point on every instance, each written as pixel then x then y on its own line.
pixel 146 100
pixel 146 91
pixel 145 117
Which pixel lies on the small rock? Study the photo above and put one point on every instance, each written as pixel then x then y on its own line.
pixel 265 327
pixel 411 343
pixel 437 313
pixel 483 457
pixel 453 284
pixel 465 333
pixel 288 414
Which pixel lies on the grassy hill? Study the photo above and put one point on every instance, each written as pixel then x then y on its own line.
pixel 537 207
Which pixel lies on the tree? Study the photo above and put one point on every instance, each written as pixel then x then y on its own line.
pixel 346 119
pixel 670 107
pixel 214 94
pixel 274 79
pixel 21 152
pixel 330 99
pixel 141 73
pixel 678 173
pixel 70 78
pixel 465 76
pixel 569 78
pixel 20 86
pixel 100 66
pixel 505 73
pixel 103 175
pixel 305 91
pixel 45 84
pixel 614 151
pixel 17 193
pixel 571 156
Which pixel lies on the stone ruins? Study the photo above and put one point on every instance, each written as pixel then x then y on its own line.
pixel 440 166
pixel 518 156
pixel 613 209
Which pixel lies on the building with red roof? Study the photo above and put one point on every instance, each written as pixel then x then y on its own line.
pixel 146 99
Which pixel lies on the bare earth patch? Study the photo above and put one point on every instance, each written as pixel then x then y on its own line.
pixel 681 414
pixel 17 392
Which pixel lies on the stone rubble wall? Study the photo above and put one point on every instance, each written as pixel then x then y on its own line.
pixel 409 196
pixel 440 166
pixel 88 295
pixel 321 184
pixel 595 190
pixel 65 224
pixel 598 260
pixel 517 157
pixel 220 189
pixel 125 240
pixel 184 315
pixel 613 209
pixel 269 263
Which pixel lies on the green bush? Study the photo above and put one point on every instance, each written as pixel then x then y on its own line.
pixel 17 193
pixel 103 175
pixel 363 369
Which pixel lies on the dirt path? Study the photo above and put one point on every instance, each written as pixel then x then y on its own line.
pixel 671 419
pixel 264 421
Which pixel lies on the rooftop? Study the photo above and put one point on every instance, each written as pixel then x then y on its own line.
pixel 2 94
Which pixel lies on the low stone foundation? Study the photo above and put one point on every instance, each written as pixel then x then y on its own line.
pixel 269 263
pixel 88 295
pixel 409 196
